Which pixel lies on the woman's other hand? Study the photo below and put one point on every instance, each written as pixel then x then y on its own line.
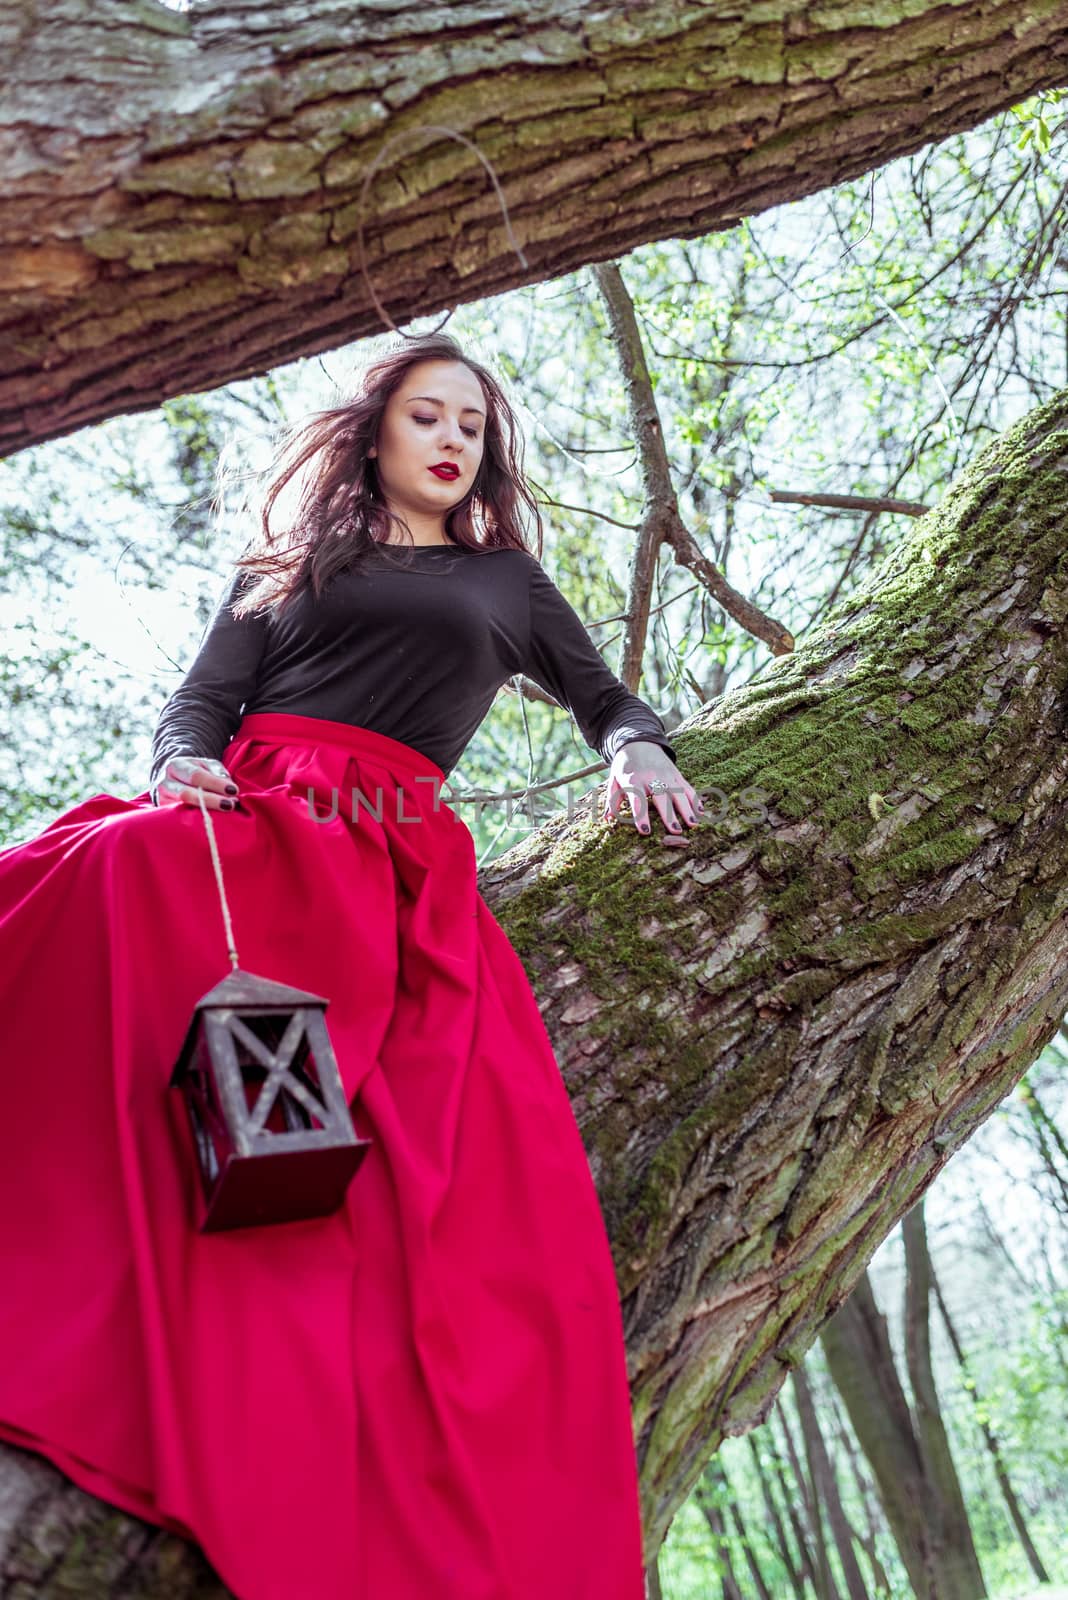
pixel 183 776
pixel 640 769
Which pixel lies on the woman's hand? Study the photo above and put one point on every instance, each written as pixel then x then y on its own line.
pixel 641 768
pixel 183 776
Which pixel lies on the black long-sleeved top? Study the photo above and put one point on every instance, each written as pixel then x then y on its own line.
pixel 416 653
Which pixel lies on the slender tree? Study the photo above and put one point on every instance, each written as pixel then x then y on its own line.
pixel 823 1581
pixel 713 1515
pixel 959 1572
pixel 826 1495
pixel 729 1498
pixel 857 1347
pixel 775 1522
pixel 990 1438
pixel 1050 1142
pixel 790 1493
pixel 868 1539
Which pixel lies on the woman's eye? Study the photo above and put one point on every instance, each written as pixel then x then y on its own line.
pixel 472 433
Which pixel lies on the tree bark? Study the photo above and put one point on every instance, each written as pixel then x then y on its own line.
pixel 960 1576
pixel 825 1489
pixel 182 189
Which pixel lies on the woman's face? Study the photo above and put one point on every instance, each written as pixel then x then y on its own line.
pixel 436 417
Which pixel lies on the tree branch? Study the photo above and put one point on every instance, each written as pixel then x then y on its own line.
pixel 183 193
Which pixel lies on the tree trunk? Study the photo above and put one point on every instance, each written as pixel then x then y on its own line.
pixel 959 1574
pixel 775 1521
pixel 791 1493
pixel 825 1488
pixel 182 190
pixel 720 1542
pixel 857 1347
pixel 823 1583
pixel 734 1510
pixel 870 1541
pixel 990 1439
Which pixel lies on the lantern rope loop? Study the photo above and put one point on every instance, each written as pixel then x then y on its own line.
pixel 217 866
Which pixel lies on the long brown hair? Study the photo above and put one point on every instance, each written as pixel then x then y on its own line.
pixel 341 515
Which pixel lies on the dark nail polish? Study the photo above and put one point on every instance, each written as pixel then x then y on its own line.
pixel 226 805
pixel 231 788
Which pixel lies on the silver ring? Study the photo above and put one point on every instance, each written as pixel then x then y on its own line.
pixel 658 786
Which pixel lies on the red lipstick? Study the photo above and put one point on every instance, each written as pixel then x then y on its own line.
pixel 446 469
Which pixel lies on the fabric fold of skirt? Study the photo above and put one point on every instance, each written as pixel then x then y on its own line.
pixel 419 1397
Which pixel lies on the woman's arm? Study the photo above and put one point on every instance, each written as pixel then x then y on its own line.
pixel 563 659
pixel 204 712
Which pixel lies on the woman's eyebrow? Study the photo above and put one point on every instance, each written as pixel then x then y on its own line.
pixel 436 402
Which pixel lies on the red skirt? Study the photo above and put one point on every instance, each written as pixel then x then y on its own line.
pixel 422 1396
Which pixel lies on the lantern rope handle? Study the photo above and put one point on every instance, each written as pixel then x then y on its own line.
pixel 453 133
pixel 217 866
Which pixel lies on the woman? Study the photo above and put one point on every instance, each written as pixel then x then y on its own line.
pixel 425 1393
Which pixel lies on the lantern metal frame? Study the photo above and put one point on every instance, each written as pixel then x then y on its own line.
pixel 244 1062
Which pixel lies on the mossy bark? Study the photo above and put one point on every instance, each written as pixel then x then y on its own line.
pixel 181 189
pixel 57 1542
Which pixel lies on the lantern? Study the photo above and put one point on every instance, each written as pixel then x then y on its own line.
pixel 271 1128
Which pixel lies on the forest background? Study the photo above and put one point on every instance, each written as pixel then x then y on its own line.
pixel 866 342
